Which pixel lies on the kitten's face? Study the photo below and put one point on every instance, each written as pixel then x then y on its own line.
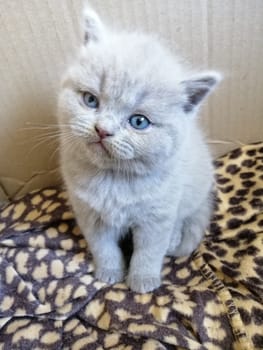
pixel 124 103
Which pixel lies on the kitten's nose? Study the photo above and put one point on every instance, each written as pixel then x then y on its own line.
pixel 102 132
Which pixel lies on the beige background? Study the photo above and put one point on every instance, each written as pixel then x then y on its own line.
pixel 38 38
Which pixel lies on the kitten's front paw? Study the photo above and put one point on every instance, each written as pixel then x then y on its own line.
pixel 143 284
pixel 109 276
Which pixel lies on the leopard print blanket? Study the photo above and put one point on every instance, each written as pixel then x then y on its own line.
pixel 49 298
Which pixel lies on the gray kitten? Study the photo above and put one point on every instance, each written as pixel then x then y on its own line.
pixel 132 155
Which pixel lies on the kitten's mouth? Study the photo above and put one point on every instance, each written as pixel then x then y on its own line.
pixel 102 146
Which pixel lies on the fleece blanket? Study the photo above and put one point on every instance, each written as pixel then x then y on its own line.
pixel 49 298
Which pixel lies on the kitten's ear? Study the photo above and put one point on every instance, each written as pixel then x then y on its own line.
pixel 197 88
pixel 93 27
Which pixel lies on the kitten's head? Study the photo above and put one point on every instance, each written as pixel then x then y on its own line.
pixel 126 102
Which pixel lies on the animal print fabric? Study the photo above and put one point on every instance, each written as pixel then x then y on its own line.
pixel 49 298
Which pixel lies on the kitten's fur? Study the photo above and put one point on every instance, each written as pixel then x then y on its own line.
pixel 156 182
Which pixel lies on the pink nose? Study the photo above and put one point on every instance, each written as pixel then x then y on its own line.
pixel 102 133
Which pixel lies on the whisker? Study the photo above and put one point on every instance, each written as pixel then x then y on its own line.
pixel 37 145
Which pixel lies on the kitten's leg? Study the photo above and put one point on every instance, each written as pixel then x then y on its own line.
pixel 193 230
pixel 175 239
pixel 102 242
pixel 107 255
pixel 150 246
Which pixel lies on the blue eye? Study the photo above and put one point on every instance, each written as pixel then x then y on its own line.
pixel 139 122
pixel 90 100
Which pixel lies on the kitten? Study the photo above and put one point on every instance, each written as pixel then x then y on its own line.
pixel 132 155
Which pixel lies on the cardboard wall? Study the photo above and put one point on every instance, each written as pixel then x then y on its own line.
pixel 38 38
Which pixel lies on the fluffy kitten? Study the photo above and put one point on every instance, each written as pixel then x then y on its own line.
pixel 132 155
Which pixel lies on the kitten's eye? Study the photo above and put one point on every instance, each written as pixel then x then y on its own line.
pixel 139 121
pixel 90 100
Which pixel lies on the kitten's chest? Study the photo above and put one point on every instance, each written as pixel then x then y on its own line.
pixel 113 200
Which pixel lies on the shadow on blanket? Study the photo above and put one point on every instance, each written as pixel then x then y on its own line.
pixel 49 298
